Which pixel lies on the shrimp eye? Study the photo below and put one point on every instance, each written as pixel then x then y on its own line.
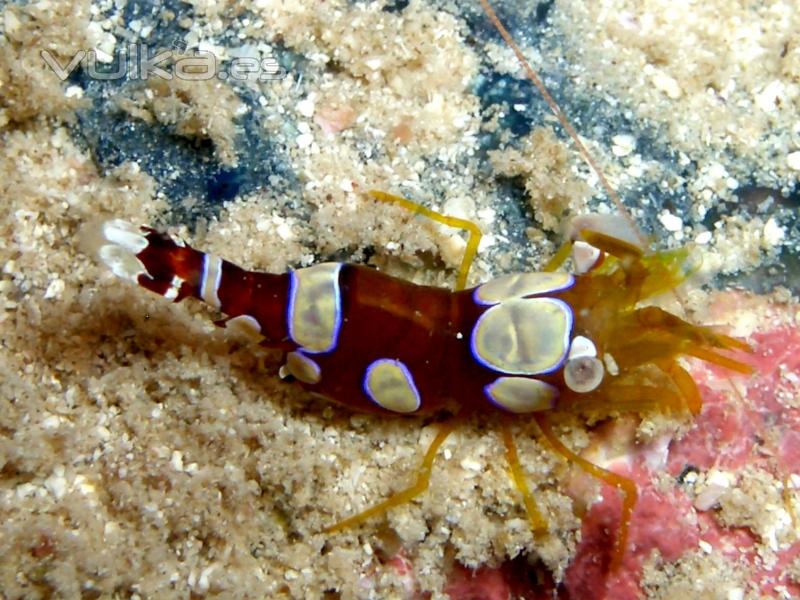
pixel 583 374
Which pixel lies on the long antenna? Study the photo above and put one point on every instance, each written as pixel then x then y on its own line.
pixel 562 118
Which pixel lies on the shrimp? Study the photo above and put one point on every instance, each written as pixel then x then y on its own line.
pixel 519 346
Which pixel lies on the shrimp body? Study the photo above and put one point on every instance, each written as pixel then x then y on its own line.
pixel 517 344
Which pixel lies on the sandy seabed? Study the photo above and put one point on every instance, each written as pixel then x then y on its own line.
pixel 146 453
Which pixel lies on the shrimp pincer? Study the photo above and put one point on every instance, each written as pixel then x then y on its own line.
pixel 521 345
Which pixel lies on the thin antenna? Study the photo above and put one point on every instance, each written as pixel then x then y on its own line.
pixel 562 118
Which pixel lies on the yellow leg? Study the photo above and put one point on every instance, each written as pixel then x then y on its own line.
pixel 559 257
pixel 716 358
pixel 535 518
pixel 474 231
pixel 789 502
pixel 408 494
pixel 685 384
pixel 623 484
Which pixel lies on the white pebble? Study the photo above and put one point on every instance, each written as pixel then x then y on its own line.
pixel 720 478
pixel 709 497
pixel 717 484
pixel 56 484
pixel 793 160
pixel 203 581
pixel 304 140
pixel 85 487
pixel 670 222
pixel 27 490
pixel 770 97
pixel 74 91
pixel 306 107
pixel 668 85
pixel 374 63
pixel 12 23
pixel 54 289
pixel 623 144
pixel 110 528
pixel 470 465
pixel 486 215
pixel 703 237
pixel 773 233
pixel 736 594
pixel 284 231
pixel 176 461
pixel 51 422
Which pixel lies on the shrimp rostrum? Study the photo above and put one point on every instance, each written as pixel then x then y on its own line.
pixel 521 345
